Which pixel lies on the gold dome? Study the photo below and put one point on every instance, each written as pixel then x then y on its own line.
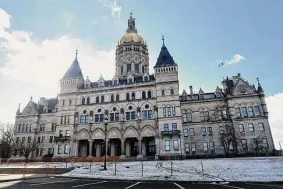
pixel 131 37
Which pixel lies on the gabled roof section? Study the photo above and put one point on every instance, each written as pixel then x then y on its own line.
pixel 74 70
pixel 31 108
pixel 164 59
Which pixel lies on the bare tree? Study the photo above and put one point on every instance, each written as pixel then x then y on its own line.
pixel 26 149
pixel 6 139
pixel 259 145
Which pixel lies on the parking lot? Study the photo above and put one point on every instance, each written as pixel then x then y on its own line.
pixel 54 183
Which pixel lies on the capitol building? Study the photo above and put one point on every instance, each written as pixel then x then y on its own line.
pixel 138 115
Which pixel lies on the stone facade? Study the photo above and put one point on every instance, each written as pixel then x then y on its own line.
pixel 142 114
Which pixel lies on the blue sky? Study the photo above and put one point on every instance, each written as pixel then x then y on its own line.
pixel 43 36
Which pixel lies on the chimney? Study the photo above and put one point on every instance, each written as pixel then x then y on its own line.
pixel 41 101
pixel 239 74
pixel 191 89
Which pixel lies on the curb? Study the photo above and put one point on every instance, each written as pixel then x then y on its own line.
pixel 26 178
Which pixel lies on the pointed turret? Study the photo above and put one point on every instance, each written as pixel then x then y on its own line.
pixel 164 59
pixel 259 87
pixel 74 70
pixel 19 109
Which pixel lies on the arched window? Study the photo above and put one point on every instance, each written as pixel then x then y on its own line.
pixel 149 94
pixel 112 98
pixel 102 99
pixel 97 100
pixel 117 97
pixel 88 100
pixel 99 116
pixel 133 95
pixel 128 96
pixel 172 91
pixel 163 93
pixel 187 116
pixel 130 113
pixel 147 112
pixel 114 114
pixel 83 101
pixel 143 95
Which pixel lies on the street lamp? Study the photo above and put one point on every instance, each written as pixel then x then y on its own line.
pixel 105 143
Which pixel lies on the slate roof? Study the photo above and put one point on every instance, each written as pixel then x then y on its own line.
pixel 74 70
pixel 164 58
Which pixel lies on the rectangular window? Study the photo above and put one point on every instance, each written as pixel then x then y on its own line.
pixel 133 115
pixel 167 145
pixel 264 143
pixel 53 127
pixel 193 147
pixel 61 120
pixel 38 139
pixel 187 147
pixel 211 145
pixel 96 118
pixel 66 149
pixel 257 110
pixel 169 111
pixel 164 112
pixel 86 118
pixel 202 116
pixel 128 115
pixel 121 70
pixel 174 126
pixel 50 139
pixel 29 139
pixel 201 96
pixel 49 150
pixel 67 133
pixel 261 126
pixel 112 116
pixel 244 143
pixel 23 140
pixel 192 131
pixel 19 130
pixel 205 147
pixel 82 119
pixel 68 119
pixel 173 111
pixel 166 127
pixel 41 151
pixel 176 145
pixel 251 111
pixel 42 139
pixel 116 116
pixel 137 68
pixel 60 133
pixel 185 117
pixel 59 149
pixel 65 119
pixel 101 117
pixel 241 128
pixel 244 112
pixel 185 131
pixel 129 68
pixel 209 130
pixel 251 127
pixel 203 131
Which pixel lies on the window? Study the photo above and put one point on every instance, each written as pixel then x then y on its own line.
pixel 29 139
pixel 112 98
pixel 29 127
pixel 257 110
pixel 146 114
pixel 174 126
pixel 205 147
pixel 63 102
pixel 137 68
pixel 129 68
pixel 244 112
pixel 218 94
pixel 41 151
pixel 143 95
pixel 145 79
pixel 251 111
pixel 193 147
pixel 203 131
pixel 97 100
pixel 53 127
pixel 172 92
pixel 67 133
pixel 66 149
pixel 241 128
pixel 163 93
pixel 211 145
pixel 209 130
pixel 221 129
pixel 176 145
pixel 99 117
pixel 201 96
pixel 167 145
pixel 192 131
pixel 244 143
pixel 37 152
pixel 130 80
pixel 164 111
pixel 23 140
pixel 128 96
pixel 49 150
pixel 166 127
pixel 70 102
pixel 117 97
pixel 264 143
pixel 130 114
pixel 19 130
pixel 59 149
pixel 114 116
pixel 84 118
pixel 187 116
pixel 60 133
pixel 185 131
pixel 204 116
pixel 88 100
pixel 38 139
pixel 187 147
pixel 102 99
pixel 169 111
pixel 50 139
pixel 149 94
pixel 42 139
pixel 173 111
pixel 17 140
pixel 261 126
pixel 133 96
pixel 251 127
pixel 121 70
pixel 83 101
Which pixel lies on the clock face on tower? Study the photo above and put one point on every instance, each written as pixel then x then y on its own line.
pixel 242 89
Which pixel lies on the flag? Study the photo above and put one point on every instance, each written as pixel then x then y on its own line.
pixel 221 64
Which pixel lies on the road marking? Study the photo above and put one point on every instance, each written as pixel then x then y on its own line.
pixel 228 186
pixel 89 184
pixel 179 185
pixel 264 185
pixel 132 185
pixel 52 182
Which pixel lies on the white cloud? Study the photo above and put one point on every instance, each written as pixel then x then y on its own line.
pixel 112 5
pixel 69 18
pixel 236 59
pixel 34 67
pixel 274 105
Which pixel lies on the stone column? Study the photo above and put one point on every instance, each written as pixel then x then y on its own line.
pixel 90 147
pixel 122 149
pixel 144 148
pixel 98 150
pixel 140 149
pixel 128 149
pixel 112 149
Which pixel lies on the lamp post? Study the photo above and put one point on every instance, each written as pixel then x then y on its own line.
pixel 90 133
pixel 105 143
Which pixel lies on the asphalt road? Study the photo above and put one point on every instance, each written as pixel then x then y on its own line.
pixel 56 183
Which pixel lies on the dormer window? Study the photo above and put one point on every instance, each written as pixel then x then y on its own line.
pixel 145 79
pixel 201 96
pixel 218 95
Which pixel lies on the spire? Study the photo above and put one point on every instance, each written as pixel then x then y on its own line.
pixel 74 70
pixel 19 109
pixel 131 24
pixel 164 58
pixel 259 87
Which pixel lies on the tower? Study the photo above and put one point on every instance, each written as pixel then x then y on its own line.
pixel 131 53
pixel 72 78
pixel 262 98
